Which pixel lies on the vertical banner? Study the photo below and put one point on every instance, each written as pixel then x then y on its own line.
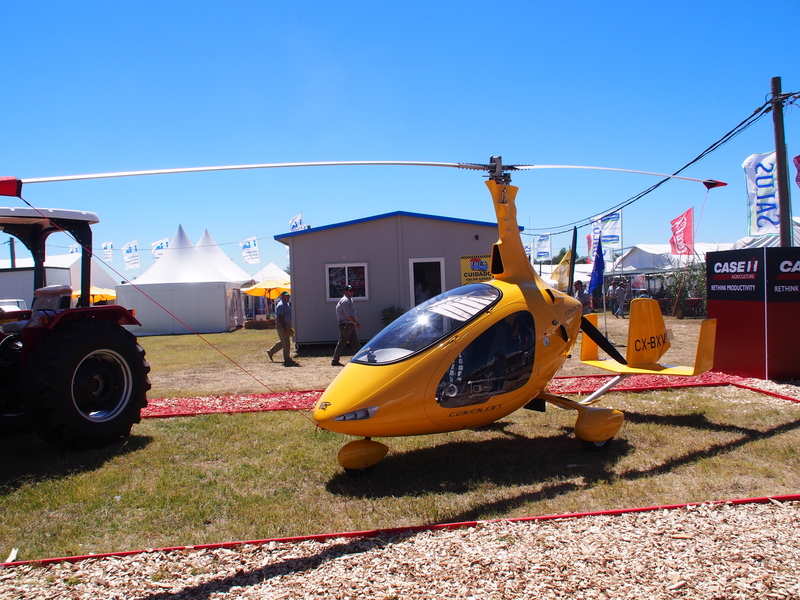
pixel 561 273
pixel 682 240
pixel 598 268
pixel 108 251
pixel 130 252
pixel 796 161
pixel 544 248
pixel 159 247
pixel 250 251
pixel 608 228
pixel 74 248
pixel 763 204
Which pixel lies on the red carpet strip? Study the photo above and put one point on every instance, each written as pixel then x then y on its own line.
pixel 203 405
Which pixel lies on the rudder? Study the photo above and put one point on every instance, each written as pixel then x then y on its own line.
pixel 647 334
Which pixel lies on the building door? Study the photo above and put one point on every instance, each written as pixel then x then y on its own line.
pixel 426 278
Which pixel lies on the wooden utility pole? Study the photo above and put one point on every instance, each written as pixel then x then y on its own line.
pixel 782 170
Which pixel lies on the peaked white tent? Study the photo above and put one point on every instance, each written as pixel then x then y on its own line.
pixel 185 283
pixel 214 254
pixel 271 271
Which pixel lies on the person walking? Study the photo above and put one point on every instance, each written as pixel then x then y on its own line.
pixel 347 316
pixel 283 324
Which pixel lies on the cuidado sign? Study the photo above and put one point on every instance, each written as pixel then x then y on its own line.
pixel 475 268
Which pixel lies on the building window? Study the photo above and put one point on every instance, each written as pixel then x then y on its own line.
pixel 341 275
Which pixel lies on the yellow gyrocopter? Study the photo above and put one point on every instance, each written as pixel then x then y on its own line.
pixel 477 353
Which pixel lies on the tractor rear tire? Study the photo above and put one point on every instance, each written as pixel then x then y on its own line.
pixel 87 384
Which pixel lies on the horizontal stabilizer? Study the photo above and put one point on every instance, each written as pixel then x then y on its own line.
pixel 648 341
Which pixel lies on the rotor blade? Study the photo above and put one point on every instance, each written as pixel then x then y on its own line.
pixel 255 166
pixel 601 340
pixel 713 182
pixel 709 183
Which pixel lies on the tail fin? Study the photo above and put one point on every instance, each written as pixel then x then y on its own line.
pixel 647 334
pixel 648 340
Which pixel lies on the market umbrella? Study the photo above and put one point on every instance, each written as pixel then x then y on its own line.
pixel 270 288
pixel 96 294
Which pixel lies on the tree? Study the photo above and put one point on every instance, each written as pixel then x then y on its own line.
pixel 557 258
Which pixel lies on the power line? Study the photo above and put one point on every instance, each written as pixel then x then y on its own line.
pixel 757 114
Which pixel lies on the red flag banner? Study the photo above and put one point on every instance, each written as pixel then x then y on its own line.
pixel 796 161
pixel 682 240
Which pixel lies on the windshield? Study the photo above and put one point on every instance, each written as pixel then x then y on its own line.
pixel 427 323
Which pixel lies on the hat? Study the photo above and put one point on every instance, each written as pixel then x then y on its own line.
pixel 348 288
pixel 285 293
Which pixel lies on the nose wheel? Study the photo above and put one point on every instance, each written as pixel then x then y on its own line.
pixel 359 455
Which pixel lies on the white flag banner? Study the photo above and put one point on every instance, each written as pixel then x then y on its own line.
pixel 130 252
pixel 108 251
pixel 608 228
pixel 763 203
pixel 296 223
pixel 544 248
pixel 74 248
pixel 159 247
pixel 528 250
pixel 250 251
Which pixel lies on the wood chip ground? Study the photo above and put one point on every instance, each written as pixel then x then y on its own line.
pixel 719 551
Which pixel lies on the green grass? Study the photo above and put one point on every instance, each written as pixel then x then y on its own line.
pixel 248 476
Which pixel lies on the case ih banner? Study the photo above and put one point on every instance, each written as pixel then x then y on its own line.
pixel 763 203
pixel 736 275
pixel 755 296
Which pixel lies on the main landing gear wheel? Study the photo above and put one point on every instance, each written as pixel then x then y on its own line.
pixel 596 446
pixel 88 383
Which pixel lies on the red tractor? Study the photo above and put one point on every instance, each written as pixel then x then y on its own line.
pixel 75 375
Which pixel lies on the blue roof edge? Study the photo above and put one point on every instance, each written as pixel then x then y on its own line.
pixel 399 213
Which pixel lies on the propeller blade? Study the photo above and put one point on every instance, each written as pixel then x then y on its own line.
pixel 601 340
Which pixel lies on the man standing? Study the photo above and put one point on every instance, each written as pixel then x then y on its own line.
pixel 612 296
pixel 584 297
pixel 283 324
pixel 347 316
pixel 621 293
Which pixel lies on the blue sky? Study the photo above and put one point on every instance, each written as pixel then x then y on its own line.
pixel 95 87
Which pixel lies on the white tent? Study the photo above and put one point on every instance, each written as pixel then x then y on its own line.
pixel 183 293
pixel 583 272
pixel 271 271
pixel 214 254
pixel 650 258
pixel 769 240
pixel 100 277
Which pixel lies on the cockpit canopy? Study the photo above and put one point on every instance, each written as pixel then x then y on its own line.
pixel 428 323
